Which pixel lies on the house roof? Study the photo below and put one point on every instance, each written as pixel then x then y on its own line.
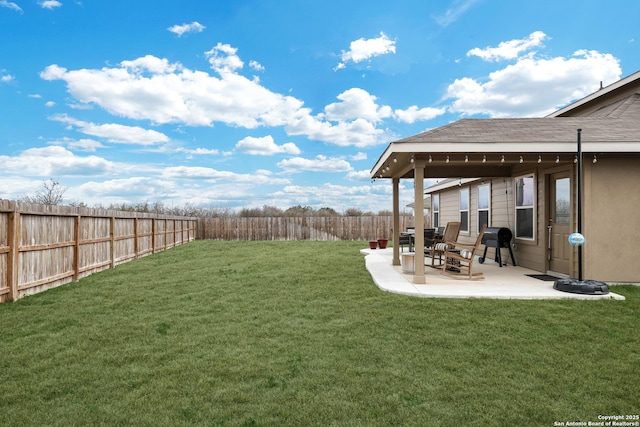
pixel 609 120
pixel 505 140
pixel 606 95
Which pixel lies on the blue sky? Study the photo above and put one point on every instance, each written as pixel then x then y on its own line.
pixel 246 103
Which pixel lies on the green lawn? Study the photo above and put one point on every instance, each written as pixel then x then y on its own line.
pixel 296 333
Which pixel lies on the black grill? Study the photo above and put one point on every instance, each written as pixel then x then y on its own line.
pixel 497 237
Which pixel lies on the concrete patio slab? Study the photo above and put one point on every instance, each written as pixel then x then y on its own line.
pixel 508 282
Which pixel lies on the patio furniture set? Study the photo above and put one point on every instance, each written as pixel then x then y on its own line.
pixel 453 258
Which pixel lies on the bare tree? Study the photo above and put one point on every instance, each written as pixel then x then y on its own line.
pixel 51 193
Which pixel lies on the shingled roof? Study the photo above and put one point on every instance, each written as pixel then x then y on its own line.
pixel 609 120
pixel 600 129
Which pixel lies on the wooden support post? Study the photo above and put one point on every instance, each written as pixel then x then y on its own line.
pixel 396 221
pixel 418 177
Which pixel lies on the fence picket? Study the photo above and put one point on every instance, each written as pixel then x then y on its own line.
pixel 299 228
pixel 42 247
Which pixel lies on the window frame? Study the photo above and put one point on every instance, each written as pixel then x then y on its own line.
pixel 435 202
pixel 531 207
pixel 467 210
pixel 487 209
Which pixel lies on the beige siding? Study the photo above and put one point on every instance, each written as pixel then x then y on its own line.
pixel 528 253
pixel 502 203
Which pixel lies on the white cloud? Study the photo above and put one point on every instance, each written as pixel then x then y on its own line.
pixel 413 114
pixel 363 175
pixel 509 49
pixel 49 104
pixel 357 103
pixel 115 133
pixel 265 146
pixel 125 190
pixel 151 64
pixel 150 88
pixel 54 161
pixel 365 49
pixel 319 164
pixel 10 5
pixel 49 4
pixel 194 27
pixel 454 12
pixel 86 144
pixel 534 87
pixel 359 156
pixel 7 78
pixel 224 58
pixel 256 65
pixel 367 197
pixel 214 175
pixel 199 151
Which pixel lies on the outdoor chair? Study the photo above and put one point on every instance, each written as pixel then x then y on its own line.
pixel 439 246
pixel 404 240
pixel 458 258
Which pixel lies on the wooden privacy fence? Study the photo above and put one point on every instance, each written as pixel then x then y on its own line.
pixel 42 247
pixel 300 228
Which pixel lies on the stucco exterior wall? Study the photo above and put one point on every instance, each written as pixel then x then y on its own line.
pixel 611 219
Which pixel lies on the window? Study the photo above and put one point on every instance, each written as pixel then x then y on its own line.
pixel 484 205
pixel 436 210
pixel 464 209
pixel 562 211
pixel 525 207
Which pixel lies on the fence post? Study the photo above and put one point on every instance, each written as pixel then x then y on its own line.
pixel 14 253
pixel 112 245
pixel 76 248
pixel 135 238
pixel 153 235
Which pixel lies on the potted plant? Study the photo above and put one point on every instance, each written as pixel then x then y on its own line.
pixel 373 244
pixel 382 243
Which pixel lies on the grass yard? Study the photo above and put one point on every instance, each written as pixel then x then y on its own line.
pixel 296 333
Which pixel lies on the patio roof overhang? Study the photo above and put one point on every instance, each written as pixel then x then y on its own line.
pixel 476 148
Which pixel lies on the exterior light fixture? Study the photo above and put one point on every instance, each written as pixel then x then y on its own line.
pixel 539 159
pixel 484 158
pixel 447 161
pixel 412 159
pixel 430 159
pixel 557 159
pixel 502 159
pixel 395 160
pixel 595 159
pixel 521 159
pixel 466 158
pixel 575 159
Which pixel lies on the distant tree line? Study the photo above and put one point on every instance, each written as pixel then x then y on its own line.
pixel 52 193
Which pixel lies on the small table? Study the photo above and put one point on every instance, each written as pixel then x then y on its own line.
pixel 408 262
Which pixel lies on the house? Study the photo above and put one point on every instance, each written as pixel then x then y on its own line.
pixel 521 173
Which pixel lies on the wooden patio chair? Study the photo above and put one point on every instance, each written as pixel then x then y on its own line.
pixel 458 258
pixel 438 247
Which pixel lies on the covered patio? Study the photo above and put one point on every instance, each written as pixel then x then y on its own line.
pixel 508 282
pixel 504 149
